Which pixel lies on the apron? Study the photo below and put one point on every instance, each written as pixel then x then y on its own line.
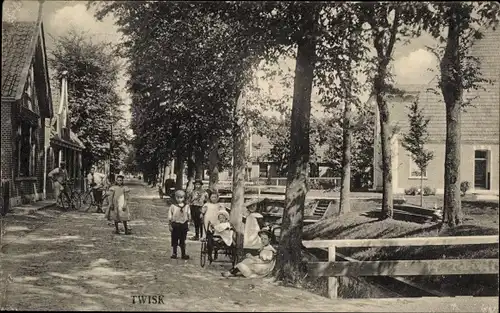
pixel 118 201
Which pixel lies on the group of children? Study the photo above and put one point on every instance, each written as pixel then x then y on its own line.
pixel 210 216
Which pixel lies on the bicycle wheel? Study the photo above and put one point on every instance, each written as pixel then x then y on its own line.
pixel 65 202
pixel 87 201
pixel 76 200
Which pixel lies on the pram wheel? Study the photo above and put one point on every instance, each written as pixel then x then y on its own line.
pixel 203 253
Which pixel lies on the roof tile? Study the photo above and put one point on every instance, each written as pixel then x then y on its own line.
pixel 481 120
pixel 16 40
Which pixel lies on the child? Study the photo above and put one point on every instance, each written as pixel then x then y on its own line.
pixel 198 199
pixel 210 211
pixel 221 228
pixel 178 219
pixel 260 265
pixel 118 208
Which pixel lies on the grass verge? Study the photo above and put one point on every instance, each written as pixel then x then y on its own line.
pixel 481 218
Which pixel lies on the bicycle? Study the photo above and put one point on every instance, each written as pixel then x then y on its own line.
pixel 89 201
pixel 69 197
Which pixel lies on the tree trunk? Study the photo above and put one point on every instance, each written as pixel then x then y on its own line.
pixel 345 182
pixel 179 173
pixel 239 167
pixel 385 134
pixel 199 164
pixel 451 87
pixel 190 174
pixel 421 188
pixel 289 265
pixel 213 166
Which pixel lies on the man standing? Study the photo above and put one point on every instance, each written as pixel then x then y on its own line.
pixel 59 176
pixel 198 199
pixel 97 182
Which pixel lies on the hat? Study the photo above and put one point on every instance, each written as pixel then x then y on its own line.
pixel 198 181
pixel 223 212
pixel 120 175
pixel 180 193
pixel 62 163
pixel 265 231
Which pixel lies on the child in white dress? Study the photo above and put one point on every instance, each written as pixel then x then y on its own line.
pixel 210 211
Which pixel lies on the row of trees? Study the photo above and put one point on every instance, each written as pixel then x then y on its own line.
pixel 95 106
pixel 191 64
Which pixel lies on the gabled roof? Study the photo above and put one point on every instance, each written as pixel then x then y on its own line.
pixel 18 47
pixel 480 121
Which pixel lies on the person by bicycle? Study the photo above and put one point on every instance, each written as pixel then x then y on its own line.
pixel 59 177
pixel 97 182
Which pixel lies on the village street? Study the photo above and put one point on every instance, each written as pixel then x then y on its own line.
pixel 75 262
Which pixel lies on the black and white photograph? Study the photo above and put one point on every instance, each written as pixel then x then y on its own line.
pixel 250 156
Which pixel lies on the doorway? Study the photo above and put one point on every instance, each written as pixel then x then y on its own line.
pixel 481 174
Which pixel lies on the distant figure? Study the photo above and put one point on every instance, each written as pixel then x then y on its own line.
pixel 59 177
pixel 118 210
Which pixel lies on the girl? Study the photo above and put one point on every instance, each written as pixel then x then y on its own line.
pixel 210 211
pixel 118 207
pixel 178 219
pixel 256 266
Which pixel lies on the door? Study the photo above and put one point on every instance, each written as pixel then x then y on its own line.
pixel 481 170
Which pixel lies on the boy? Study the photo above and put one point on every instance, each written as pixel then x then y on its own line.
pixel 118 208
pixel 178 219
pixel 198 199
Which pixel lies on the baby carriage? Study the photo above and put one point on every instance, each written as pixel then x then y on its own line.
pixel 213 244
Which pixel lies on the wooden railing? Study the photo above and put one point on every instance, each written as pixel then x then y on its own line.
pixel 281 181
pixel 333 269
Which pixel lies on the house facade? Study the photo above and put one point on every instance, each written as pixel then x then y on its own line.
pixel 480 124
pixel 261 167
pixel 26 103
pixel 61 144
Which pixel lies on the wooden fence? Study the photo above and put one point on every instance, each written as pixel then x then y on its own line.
pixel 281 181
pixel 333 269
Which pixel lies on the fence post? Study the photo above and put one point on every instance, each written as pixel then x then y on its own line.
pixel 333 282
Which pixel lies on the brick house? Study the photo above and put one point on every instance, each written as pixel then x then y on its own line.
pixel 26 103
pixel 479 130
pixel 61 144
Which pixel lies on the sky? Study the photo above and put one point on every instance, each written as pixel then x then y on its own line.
pixel 410 66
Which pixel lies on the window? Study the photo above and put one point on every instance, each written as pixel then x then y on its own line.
pixel 26 150
pixel 30 92
pixel 263 170
pixel 415 171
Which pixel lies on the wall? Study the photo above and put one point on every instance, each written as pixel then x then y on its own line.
pixel 435 171
pixel 6 140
